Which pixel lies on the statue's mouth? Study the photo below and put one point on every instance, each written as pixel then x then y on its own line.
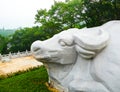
pixel 47 57
pixel 42 57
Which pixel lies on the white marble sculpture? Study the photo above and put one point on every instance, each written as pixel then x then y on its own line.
pixel 83 60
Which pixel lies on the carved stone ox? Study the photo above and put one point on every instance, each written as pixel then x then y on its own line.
pixel 83 60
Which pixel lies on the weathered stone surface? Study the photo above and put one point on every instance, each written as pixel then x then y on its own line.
pixel 83 60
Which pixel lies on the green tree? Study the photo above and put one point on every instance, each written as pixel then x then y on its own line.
pixel 3 45
pixel 61 16
pixel 98 12
pixel 22 39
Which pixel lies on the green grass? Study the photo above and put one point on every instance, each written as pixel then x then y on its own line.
pixel 31 81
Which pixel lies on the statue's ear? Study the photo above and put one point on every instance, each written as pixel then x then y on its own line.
pixel 88 45
pixel 87 54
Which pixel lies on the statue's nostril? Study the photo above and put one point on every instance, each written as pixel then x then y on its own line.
pixel 36 49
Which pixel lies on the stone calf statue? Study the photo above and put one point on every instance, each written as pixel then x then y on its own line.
pixel 83 60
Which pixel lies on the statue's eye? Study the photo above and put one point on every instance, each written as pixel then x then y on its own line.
pixel 62 43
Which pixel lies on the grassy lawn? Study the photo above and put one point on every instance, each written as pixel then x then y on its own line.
pixel 31 81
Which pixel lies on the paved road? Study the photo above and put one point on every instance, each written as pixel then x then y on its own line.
pixel 18 64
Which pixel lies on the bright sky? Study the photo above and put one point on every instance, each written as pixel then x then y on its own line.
pixel 21 13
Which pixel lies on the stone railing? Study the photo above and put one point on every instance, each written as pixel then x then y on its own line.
pixel 8 57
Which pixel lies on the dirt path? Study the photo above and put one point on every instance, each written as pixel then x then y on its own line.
pixel 18 64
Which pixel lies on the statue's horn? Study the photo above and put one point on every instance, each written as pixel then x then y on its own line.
pixel 92 41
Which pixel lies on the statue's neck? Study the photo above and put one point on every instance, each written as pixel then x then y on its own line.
pixel 59 72
pixel 66 73
pixel 82 68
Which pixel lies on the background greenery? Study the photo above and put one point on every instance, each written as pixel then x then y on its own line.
pixel 31 81
pixel 61 16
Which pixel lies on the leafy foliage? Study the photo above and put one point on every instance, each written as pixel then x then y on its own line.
pixel 61 16
pixel 98 12
pixel 3 44
pixel 22 39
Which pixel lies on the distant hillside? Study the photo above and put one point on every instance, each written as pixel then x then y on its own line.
pixel 7 32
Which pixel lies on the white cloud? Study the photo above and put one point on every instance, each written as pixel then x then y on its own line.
pixel 21 13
